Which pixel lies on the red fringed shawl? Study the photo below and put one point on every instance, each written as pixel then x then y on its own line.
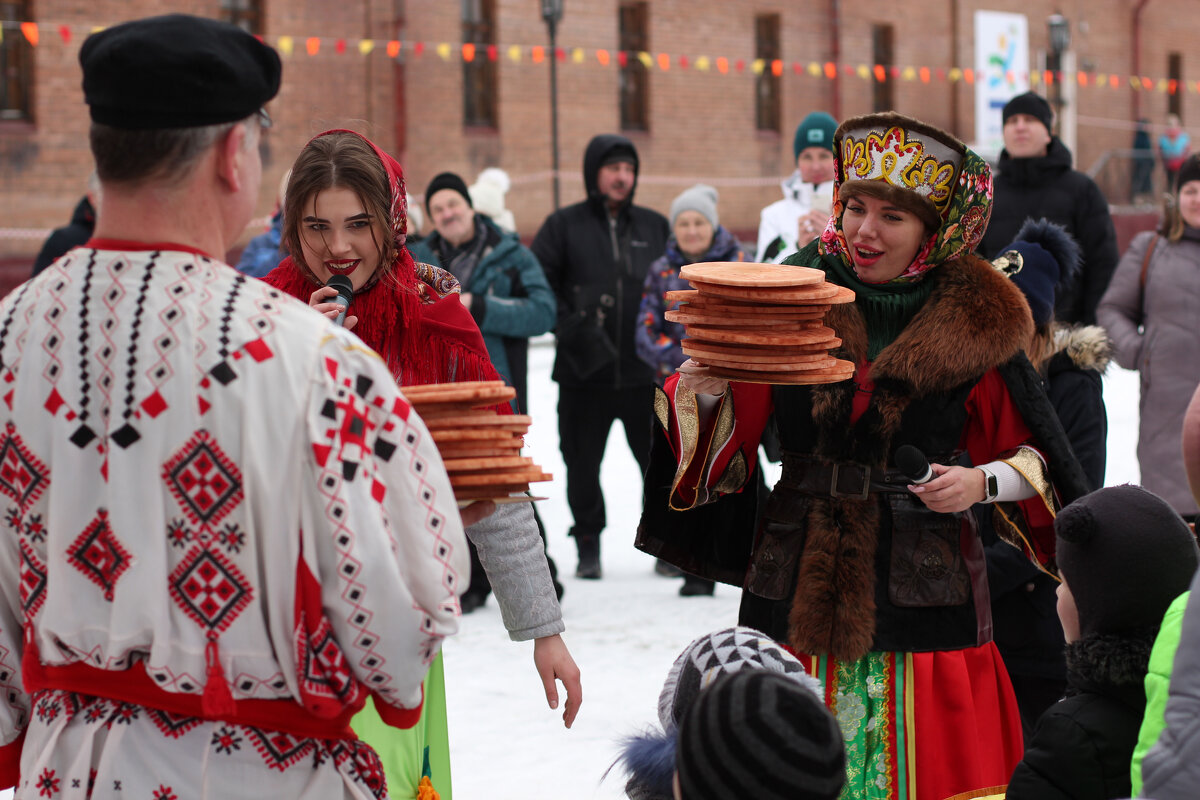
pixel 423 337
pixel 411 315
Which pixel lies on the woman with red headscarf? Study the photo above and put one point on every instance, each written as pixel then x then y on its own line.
pixel 345 214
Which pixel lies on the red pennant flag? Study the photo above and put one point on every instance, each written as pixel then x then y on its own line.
pixel 340 46
pixel 623 59
pixel 65 33
pixel 796 68
pixel 418 48
pixel 560 54
pixel 683 62
pixel 493 52
pixel 740 65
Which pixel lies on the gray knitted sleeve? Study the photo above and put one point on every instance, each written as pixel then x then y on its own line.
pixel 513 557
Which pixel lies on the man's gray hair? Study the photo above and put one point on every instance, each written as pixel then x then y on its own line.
pixel 134 157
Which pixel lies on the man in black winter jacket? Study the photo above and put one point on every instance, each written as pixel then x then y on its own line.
pixel 1034 180
pixel 595 254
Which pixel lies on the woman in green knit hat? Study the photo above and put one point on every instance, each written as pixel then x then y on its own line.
pixel 876 582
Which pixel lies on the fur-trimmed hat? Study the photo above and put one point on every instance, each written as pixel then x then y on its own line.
pixel 901 160
pixel 1041 261
pixel 757 734
pixel 1125 555
pixel 649 758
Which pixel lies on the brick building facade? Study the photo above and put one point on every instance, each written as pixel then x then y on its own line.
pixel 699 119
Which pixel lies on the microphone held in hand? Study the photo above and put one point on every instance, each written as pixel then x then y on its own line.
pixel 345 293
pixel 913 463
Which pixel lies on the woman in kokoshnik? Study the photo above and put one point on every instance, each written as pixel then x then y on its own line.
pixel 346 215
pixel 879 584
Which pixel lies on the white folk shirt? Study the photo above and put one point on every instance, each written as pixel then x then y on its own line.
pixel 223 527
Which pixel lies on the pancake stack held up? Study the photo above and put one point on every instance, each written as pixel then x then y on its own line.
pixel 480 447
pixel 760 323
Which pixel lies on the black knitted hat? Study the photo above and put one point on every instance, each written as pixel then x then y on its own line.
pixel 1032 104
pixel 1049 261
pixel 758 734
pixel 1125 555
pixel 176 71
pixel 447 180
pixel 1190 171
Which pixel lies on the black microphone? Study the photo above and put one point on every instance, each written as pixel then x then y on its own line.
pixel 345 293
pixel 913 463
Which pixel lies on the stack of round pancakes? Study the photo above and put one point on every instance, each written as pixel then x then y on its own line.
pixel 760 323
pixel 480 447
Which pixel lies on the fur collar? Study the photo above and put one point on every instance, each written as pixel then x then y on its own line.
pixel 1105 661
pixel 975 319
pixel 1087 346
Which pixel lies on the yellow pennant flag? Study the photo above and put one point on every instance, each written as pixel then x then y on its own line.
pixel 286 45
pixel 863 72
pixel 909 74
pixel 577 55
pixel 955 74
pixel 366 46
pixel 702 63
pixel 758 66
pixel 514 53
pixel 646 59
pixel 814 69
pixel 443 50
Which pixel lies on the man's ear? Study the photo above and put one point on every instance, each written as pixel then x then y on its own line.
pixel 231 157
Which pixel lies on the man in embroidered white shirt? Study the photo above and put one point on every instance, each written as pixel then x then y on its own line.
pixel 201 580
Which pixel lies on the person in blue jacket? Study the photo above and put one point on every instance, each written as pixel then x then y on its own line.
pixel 506 291
pixel 502 282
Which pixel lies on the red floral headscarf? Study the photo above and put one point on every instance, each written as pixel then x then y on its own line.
pixel 408 313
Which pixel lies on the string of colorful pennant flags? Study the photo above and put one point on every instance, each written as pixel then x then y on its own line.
pixel 39 34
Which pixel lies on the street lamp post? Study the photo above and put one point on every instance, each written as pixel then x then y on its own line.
pixel 552 11
pixel 1062 64
pixel 1060 40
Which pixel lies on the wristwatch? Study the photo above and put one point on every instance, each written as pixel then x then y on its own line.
pixel 991 485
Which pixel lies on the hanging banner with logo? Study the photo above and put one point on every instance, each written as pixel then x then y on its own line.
pixel 1001 72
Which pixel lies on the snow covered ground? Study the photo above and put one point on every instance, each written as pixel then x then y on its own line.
pixel 624 631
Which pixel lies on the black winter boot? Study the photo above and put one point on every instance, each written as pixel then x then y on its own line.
pixel 589 557
pixel 695 586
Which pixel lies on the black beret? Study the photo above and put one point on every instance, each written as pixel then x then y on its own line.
pixel 176 71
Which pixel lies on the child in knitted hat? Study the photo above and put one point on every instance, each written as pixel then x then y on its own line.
pixel 757 734
pixel 1124 555
pixel 650 758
